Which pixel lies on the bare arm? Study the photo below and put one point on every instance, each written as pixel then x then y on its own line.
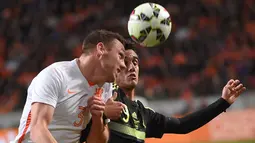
pixel 41 116
pixel 99 132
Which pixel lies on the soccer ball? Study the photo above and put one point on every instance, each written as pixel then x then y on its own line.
pixel 149 24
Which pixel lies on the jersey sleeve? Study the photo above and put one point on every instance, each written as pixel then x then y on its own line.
pixel 155 122
pixel 45 88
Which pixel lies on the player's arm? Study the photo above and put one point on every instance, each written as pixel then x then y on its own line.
pixel 45 89
pixel 197 119
pixel 99 132
pixel 112 110
pixel 85 134
pixel 41 117
pixel 159 124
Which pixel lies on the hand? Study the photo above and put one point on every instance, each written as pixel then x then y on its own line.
pixel 232 90
pixel 113 109
pixel 96 106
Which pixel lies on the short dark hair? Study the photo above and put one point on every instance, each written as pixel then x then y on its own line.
pixel 131 45
pixel 101 35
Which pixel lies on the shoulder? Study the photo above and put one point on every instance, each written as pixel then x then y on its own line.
pixel 54 74
pixel 63 66
pixel 146 108
pixel 52 71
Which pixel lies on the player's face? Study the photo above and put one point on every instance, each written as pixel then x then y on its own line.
pixel 112 60
pixel 128 77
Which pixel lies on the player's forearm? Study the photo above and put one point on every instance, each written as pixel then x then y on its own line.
pixel 197 119
pixel 41 134
pixel 99 132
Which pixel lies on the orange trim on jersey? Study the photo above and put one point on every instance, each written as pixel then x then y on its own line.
pixel 91 83
pixel 99 92
pixel 26 127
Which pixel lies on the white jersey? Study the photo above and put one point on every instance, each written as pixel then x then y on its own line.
pixel 62 86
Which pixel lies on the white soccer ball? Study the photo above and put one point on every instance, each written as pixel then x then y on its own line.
pixel 149 24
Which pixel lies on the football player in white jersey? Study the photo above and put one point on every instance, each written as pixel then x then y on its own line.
pixel 62 96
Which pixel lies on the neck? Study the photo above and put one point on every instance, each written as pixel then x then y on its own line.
pixel 90 70
pixel 130 94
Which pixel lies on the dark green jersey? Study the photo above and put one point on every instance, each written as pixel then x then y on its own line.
pixel 138 122
pixel 132 123
pixel 131 127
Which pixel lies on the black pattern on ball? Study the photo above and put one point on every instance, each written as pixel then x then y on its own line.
pixel 143 32
pixel 166 21
pixel 144 17
pixel 156 12
pixel 148 29
pixel 162 38
pixel 142 38
pixel 151 4
pixel 160 35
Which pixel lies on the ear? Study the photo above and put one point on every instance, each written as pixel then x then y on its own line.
pixel 100 49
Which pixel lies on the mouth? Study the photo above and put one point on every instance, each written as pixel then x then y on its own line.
pixel 132 76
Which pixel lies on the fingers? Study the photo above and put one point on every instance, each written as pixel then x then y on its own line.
pixel 230 82
pixel 114 96
pixel 239 87
pixel 235 83
pixel 235 87
pixel 97 110
pixel 113 111
pixel 120 104
pixel 111 100
pixel 96 106
pixel 240 90
pixel 95 100
pixel 231 85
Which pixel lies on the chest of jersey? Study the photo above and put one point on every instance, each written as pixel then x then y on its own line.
pixel 71 109
pixel 131 124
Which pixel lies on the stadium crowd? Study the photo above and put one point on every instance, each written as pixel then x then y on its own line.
pixel 211 42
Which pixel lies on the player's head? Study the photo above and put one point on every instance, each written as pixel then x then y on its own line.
pixel 108 50
pixel 128 77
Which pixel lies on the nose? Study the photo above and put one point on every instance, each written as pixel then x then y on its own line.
pixel 131 67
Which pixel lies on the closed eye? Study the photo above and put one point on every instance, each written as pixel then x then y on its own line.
pixel 121 55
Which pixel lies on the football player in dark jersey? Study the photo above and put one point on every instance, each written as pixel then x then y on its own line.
pixel 138 122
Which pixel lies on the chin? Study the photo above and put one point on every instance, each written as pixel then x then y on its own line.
pixel 132 84
pixel 111 79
